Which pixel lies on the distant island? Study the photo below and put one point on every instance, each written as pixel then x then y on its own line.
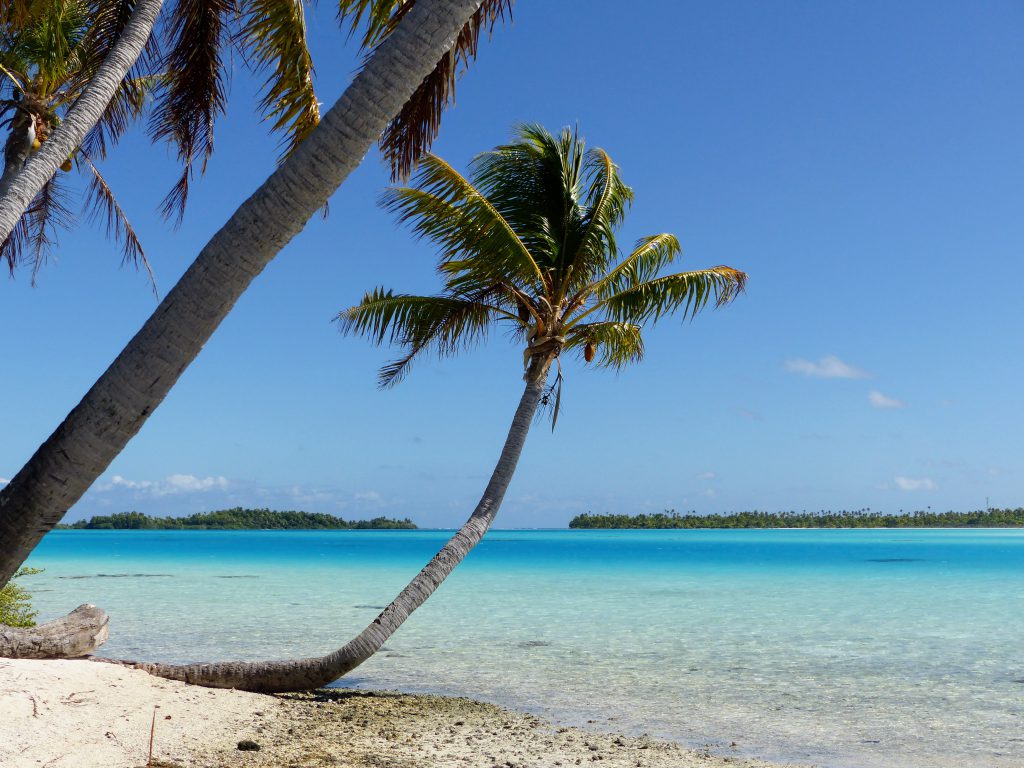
pixel 236 519
pixel 992 518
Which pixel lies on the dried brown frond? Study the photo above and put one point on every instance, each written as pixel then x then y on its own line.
pixel 44 216
pixel 100 203
pixel 410 135
pixel 194 92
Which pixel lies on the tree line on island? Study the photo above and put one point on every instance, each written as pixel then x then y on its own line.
pixel 237 518
pixel 863 518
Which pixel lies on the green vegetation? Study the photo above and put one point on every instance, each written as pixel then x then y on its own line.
pixel 863 518
pixel 15 608
pixel 236 519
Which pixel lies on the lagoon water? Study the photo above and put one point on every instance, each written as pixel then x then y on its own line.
pixel 841 648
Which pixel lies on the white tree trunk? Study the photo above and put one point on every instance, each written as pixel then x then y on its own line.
pixel 20 185
pixel 118 404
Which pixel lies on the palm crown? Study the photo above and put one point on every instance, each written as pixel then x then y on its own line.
pixel 529 241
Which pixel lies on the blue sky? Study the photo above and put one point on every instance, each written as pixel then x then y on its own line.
pixel 861 161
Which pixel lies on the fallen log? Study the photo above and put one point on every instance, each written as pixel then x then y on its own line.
pixel 70 637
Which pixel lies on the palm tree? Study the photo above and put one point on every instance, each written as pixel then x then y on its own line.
pixel 46 60
pixel 54 56
pixel 135 384
pixel 528 243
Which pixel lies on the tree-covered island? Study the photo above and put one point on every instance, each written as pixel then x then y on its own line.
pixel 237 519
pixel 864 518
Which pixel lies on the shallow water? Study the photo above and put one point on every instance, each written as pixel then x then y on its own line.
pixel 843 648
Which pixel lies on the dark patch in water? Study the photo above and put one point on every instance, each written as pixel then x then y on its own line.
pixel 375 607
pixel 895 560
pixel 120 576
pixel 241 576
pixel 1018 680
pixel 533 644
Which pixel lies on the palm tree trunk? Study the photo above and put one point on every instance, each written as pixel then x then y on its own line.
pixel 305 674
pixel 118 404
pixel 17 149
pixel 19 184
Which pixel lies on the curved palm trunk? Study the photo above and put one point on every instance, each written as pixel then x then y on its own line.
pixel 304 674
pixel 21 182
pixel 118 404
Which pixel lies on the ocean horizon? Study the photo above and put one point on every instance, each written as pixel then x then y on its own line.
pixel 837 647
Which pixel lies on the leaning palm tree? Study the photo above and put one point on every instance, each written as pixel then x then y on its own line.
pixel 118 404
pixel 527 242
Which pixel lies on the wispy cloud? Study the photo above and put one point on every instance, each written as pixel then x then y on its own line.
pixel 706 476
pixel 828 367
pixel 878 400
pixel 170 485
pixel 914 483
pixel 4 480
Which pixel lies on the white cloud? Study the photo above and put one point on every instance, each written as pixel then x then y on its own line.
pixel 914 483
pixel 706 476
pixel 371 496
pixel 711 493
pixel 4 480
pixel 828 367
pixel 878 400
pixel 170 485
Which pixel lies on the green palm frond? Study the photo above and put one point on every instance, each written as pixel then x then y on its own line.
pixel 651 255
pixel 51 41
pixel 608 198
pixel 443 324
pixel 613 345
pixel 472 236
pixel 195 92
pixel 685 293
pixel 409 136
pixel 274 35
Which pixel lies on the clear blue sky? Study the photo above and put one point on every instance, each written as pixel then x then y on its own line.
pixel 863 163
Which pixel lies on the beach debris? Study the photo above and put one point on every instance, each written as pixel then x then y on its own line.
pixel 78 634
pixel 248 745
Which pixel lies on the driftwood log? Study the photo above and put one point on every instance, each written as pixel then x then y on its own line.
pixel 70 637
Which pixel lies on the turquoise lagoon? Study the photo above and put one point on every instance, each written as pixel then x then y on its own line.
pixel 835 647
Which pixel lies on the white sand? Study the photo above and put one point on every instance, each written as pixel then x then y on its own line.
pixel 81 714
pixel 85 714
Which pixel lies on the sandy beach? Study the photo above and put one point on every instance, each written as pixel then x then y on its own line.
pixel 84 714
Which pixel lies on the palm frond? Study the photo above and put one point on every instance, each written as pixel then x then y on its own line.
pixel 101 203
pixel 649 257
pixel 412 132
pixel 47 213
pixel 613 345
pixel 444 324
pixel 273 35
pixel 195 90
pixel 608 198
pixel 125 107
pixel 685 292
pixel 472 236
pixel 536 184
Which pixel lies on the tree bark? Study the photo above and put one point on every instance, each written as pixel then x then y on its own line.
pixel 70 637
pixel 17 150
pixel 305 674
pixel 22 183
pixel 118 404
